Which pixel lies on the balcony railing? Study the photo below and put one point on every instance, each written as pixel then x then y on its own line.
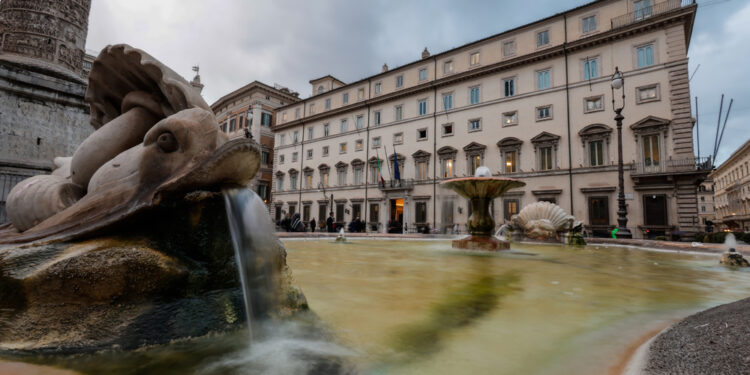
pixel 648 12
pixel 402 184
pixel 674 165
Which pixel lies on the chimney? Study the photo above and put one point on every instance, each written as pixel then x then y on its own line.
pixel 385 68
pixel 425 53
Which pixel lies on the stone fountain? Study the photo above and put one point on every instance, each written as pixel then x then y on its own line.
pixel 481 190
pixel 127 243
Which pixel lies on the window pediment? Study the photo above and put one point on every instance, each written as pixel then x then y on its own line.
pixel 307 170
pixel 279 173
pixel 475 147
pixel 341 166
pixel 447 152
pixel 421 155
pixel 650 123
pixel 324 168
pixel 545 138
pixel 357 163
pixel 293 172
pixel 401 158
pixel 509 143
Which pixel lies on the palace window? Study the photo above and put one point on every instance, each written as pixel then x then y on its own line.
pixel 474 59
pixel 474 95
pixel 448 67
pixel 422 74
pixel 325 150
pixel 544 113
pixel 509 48
pixel 542 79
pixel 376 116
pixel 645 56
pixel 510 118
pixel 509 85
pixel 421 134
pixel 398 138
pixel 342 148
pixel 360 122
pixel 344 126
pixel 328 103
pixel 422 107
pixel 589 24
pixel 593 104
pixel 310 132
pixel 378 87
pixel 590 68
pixel 326 130
pixel 359 145
pixel 398 113
pixel 542 38
pixel 400 81
pixel 375 142
pixel 345 98
pixel 448 101
pixel 447 129
pixel 475 125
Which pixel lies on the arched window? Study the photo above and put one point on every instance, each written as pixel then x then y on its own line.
pixel 320 89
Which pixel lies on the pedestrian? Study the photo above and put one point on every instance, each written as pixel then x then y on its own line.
pixel 312 225
pixel 330 223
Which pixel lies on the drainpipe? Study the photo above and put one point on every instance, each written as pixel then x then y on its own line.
pixel 567 110
pixel 301 166
pixel 367 161
pixel 434 146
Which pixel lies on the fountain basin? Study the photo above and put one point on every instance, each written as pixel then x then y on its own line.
pixel 164 274
pixel 481 191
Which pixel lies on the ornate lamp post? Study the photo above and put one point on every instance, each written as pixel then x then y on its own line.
pixel 618 83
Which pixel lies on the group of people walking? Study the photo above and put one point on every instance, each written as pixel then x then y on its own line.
pixel 292 223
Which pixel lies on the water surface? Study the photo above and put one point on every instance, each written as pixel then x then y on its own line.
pixel 421 307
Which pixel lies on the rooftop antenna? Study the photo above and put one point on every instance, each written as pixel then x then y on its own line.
pixel 694 71
pixel 718 125
pixel 697 127
pixel 724 127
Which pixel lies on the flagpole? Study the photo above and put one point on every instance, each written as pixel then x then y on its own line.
pixel 386 162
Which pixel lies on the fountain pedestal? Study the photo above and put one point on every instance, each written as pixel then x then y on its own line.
pixel 489 243
pixel 481 190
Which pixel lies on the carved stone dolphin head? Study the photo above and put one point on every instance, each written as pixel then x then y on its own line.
pixel 170 143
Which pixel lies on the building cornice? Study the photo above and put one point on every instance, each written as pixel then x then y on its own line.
pixel 247 89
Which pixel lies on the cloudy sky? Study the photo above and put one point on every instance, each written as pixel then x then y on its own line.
pixel 289 42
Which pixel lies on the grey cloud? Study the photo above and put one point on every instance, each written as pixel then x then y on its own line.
pixel 290 42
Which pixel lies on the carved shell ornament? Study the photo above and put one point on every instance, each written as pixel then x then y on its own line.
pixel 542 220
pixel 155 135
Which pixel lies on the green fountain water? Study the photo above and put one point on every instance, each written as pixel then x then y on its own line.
pixel 422 307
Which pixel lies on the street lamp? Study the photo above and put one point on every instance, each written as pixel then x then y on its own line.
pixel 618 83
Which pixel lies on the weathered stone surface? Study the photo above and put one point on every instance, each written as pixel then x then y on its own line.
pixel 155 135
pixel 734 259
pixel 481 243
pixel 163 274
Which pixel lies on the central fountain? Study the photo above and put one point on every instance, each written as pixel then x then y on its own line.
pixel 481 190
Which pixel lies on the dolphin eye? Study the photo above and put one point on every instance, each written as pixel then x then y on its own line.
pixel 167 142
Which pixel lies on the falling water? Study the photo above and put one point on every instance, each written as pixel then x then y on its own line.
pixel 730 243
pixel 254 242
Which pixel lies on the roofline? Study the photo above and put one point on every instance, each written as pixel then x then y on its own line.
pixel 544 54
pixel 256 83
pixel 735 154
pixel 452 50
pixel 327 76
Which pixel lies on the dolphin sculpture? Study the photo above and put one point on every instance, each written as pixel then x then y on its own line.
pixel 155 135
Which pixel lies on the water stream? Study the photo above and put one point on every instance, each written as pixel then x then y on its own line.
pixel 254 239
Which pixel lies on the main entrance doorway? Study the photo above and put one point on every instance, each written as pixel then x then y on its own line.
pixel 395 225
pixel 655 212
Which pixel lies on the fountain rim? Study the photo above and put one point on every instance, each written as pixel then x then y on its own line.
pixel 490 178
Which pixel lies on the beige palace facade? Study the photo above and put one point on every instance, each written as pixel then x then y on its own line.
pixel 533 103
pixel 732 191
pixel 252 107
